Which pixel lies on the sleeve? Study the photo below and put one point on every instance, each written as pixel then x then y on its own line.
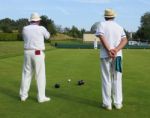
pixel 123 35
pixel 100 30
pixel 46 33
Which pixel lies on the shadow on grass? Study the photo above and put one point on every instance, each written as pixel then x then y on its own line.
pixel 78 99
pixel 9 92
pixel 13 94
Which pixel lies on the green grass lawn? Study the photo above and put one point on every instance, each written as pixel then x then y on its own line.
pixel 70 100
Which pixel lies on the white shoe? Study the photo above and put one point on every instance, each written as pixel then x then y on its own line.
pixel 23 99
pixel 106 107
pixel 45 99
pixel 118 106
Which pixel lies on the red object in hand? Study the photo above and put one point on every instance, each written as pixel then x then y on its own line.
pixel 37 52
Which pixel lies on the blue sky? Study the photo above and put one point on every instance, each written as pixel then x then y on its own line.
pixel 81 13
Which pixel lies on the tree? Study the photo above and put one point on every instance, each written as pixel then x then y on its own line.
pixel 7 25
pixel 144 30
pixel 82 32
pixel 48 24
pixel 66 30
pixel 20 23
pixel 59 29
pixel 6 29
pixel 74 32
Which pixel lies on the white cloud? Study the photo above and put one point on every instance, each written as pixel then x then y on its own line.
pixel 62 10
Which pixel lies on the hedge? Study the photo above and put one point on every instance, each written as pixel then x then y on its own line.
pixel 10 37
pixel 90 46
pixel 74 46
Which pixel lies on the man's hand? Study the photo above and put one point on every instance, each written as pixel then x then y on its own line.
pixel 112 53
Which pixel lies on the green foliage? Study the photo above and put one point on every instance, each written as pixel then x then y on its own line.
pixel 6 29
pixel 20 23
pixel 9 37
pixel 48 24
pixel 7 25
pixel 74 32
pixel 143 31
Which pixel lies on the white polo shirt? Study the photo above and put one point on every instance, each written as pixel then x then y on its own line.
pixel 113 33
pixel 33 36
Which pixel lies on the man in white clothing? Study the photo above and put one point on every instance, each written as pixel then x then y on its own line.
pixel 34 58
pixel 113 39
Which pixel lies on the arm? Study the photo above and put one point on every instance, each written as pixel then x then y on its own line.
pixel 45 32
pixel 100 35
pixel 121 45
pixel 47 35
pixel 104 42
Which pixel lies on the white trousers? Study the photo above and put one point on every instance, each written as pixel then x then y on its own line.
pixel 33 63
pixel 111 83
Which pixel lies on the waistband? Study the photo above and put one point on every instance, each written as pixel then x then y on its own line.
pixel 33 49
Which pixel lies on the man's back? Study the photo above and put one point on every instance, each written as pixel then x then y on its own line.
pixel 113 33
pixel 33 36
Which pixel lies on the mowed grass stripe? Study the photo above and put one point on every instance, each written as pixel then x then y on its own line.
pixel 70 100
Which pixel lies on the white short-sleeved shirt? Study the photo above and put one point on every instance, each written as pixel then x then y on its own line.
pixel 113 33
pixel 33 36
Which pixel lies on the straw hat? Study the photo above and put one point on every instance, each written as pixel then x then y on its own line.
pixel 35 17
pixel 109 13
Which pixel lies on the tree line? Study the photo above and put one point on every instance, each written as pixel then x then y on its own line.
pixel 8 25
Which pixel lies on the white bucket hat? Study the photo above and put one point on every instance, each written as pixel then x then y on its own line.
pixel 109 13
pixel 35 17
